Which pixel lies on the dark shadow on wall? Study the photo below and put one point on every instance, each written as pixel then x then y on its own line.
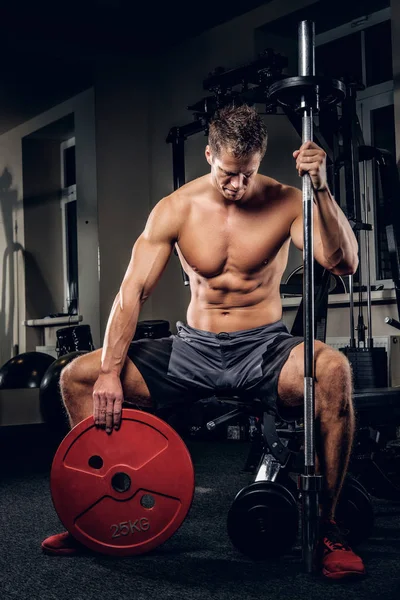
pixel 10 297
pixel 37 305
pixel 9 300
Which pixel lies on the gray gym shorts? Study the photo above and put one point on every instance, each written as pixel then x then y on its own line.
pixel 195 365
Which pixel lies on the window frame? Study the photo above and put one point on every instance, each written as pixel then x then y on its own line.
pixel 68 194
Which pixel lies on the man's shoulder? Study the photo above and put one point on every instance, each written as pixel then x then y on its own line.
pixel 187 191
pixel 272 188
pixel 177 202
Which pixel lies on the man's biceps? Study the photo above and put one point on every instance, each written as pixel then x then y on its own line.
pixel 296 234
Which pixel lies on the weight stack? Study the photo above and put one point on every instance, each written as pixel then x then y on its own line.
pixel 370 368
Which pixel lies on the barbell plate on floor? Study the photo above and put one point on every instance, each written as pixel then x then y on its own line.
pixel 354 511
pixel 263 520
pixel 352 480
pixel 124 493
pixel 289 91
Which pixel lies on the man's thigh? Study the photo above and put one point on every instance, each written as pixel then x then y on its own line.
pixel 171 373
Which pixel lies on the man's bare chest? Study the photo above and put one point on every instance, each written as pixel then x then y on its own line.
pixel 211 243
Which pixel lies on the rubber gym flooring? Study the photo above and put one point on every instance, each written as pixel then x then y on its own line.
pixel 197 562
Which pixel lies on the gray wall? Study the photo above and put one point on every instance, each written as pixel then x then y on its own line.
pixel 123 171
pixel 83 107
pixel 14 246
pixel 44 283
pixel 12 276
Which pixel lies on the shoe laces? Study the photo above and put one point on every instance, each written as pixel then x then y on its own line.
pixel 334 537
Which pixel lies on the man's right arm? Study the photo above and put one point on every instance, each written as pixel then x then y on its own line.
pixel 149 258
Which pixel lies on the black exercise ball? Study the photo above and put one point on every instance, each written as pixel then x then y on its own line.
pixel 51 405
pixel 25 370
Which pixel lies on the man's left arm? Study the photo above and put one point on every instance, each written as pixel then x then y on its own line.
pixel 335 245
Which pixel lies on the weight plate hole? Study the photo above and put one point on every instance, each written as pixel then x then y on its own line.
pixel 121 482
pixel 96 462
pixel 147 501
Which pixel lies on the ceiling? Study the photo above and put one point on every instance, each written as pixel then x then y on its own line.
pixel 93 27
pixel 51 50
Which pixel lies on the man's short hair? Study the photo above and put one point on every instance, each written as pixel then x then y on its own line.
pixel 239 130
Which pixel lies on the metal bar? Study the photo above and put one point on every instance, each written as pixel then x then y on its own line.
pixel 392 322
pixel 319 139
pixel 370 341
pixel 390 182
pixel 351 133
pixel 351 301
pixel 211 425
pixel 307 67
pixel 178 161
pixel 306 48
pixel 310 502
pixel 350 152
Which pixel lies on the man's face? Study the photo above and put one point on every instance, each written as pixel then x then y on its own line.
pixel 232 176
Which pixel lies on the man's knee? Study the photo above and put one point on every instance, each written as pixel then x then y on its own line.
pixel 333 377
pixel 332 368
pixel 81 372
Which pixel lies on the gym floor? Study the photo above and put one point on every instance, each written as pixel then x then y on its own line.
pixel 197 562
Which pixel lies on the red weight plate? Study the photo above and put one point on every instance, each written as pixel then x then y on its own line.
pixel 124 493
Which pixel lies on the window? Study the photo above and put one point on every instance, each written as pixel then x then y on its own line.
pixel 362 50
pixel 69 226
pixel 377 121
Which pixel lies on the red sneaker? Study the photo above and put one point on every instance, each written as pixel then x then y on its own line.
pixel 62 544
pixel 338 560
